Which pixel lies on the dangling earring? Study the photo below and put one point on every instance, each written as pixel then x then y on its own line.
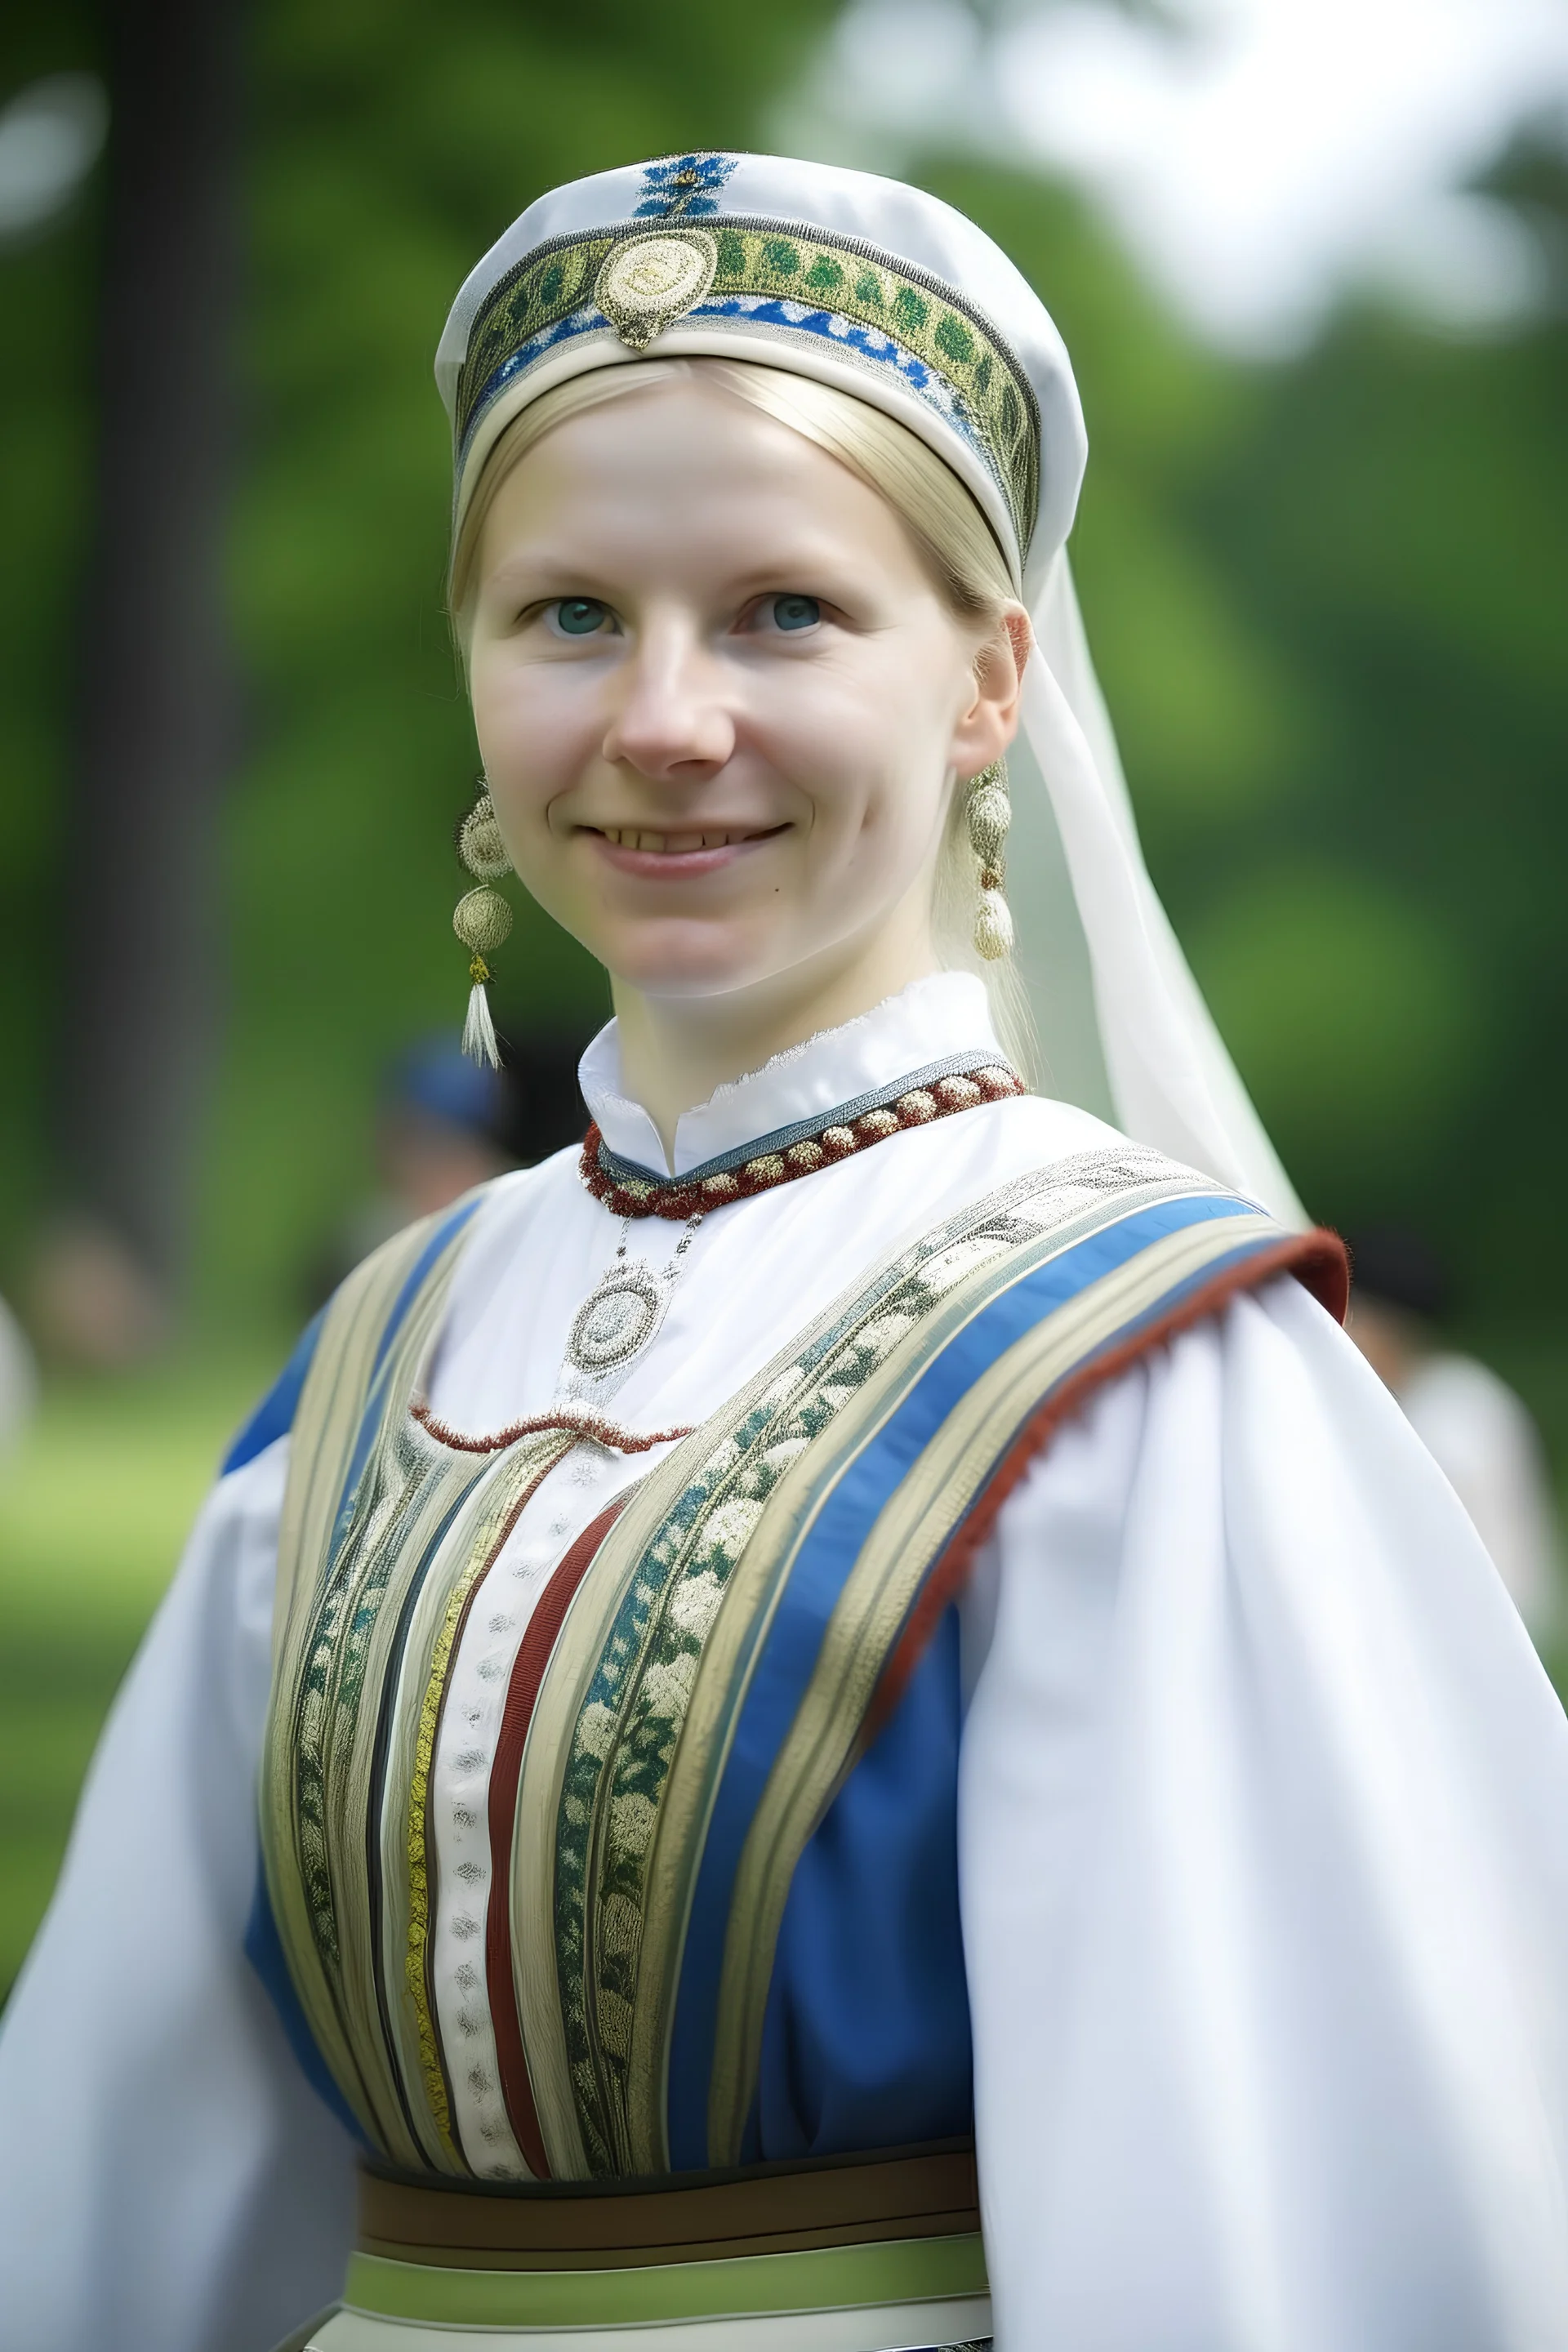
pixel 481 920
pixel 990 812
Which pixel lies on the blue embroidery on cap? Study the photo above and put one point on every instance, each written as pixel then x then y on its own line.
pixel 881 350
pixel 681 186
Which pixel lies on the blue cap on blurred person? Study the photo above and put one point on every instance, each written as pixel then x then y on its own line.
pixel 436 1079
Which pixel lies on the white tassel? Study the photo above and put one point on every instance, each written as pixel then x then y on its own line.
pixel 479 1030
pixel 481 920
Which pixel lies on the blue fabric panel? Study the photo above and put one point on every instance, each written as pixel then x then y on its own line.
pixel 865 2040
pixel 821 1569
pixel 264 1950
pixel 274 1416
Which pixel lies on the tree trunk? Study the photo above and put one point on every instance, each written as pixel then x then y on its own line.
pixel 155 728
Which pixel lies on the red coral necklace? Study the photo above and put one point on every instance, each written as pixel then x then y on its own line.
pixel 621 1314
pixel 961 1083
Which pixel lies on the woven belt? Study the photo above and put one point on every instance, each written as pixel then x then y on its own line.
pixel 836 2237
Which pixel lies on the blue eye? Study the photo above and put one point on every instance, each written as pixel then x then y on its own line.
pixel 580 616
pixel 796 612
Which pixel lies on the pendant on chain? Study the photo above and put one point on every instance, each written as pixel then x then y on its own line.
pixel 619 1321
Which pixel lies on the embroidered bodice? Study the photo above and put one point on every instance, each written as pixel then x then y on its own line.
pixel 600 1855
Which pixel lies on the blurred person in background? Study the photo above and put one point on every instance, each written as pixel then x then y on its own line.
pixel 90 1301
pixel 437 1134
pixel 445 1123
pixel 1480 1433
pixel 864 1644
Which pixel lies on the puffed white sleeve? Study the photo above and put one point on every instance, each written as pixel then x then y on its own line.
pixel 169 2182
pixel 1263 1829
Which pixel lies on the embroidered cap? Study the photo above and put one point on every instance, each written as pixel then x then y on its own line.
pixel 891 295
pixel 858 281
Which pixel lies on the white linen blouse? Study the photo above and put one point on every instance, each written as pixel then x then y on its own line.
pixel 1263 1816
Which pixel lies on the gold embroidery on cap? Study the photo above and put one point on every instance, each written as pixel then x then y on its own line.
pixel 871 311
pixel 649 283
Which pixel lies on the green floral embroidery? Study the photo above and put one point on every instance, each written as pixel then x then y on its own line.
pixel 332 1684
pixel 909 310
pixel 990 398
pixel 638 1702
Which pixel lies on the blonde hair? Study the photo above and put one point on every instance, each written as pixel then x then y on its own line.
pixel 944 523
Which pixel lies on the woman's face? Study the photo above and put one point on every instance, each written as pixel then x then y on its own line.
pixel 719 699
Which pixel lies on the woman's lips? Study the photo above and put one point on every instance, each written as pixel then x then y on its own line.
pixel 675 857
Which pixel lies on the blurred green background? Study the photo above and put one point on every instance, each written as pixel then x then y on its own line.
pixel 1328 598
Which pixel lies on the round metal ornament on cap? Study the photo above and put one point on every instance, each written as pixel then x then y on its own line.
pixel 649 283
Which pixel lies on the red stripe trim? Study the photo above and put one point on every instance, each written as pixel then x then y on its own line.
pixel 1320 1261
pixel 522 1693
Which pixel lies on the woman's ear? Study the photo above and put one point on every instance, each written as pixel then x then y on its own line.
pixel 991 722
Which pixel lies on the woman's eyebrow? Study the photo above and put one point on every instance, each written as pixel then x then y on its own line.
pixel 544 568
pixel 545 572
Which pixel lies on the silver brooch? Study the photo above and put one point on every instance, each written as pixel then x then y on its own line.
pixel 618 1320
pixel 649 283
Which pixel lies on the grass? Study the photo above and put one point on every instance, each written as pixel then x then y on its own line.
pixel 95 1504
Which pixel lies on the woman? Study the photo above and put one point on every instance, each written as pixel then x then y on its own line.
pixel 868 1614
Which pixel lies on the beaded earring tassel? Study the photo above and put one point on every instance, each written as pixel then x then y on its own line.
pixel 481 921
pixel 990 812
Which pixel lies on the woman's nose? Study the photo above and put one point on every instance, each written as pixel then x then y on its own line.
pixel 672 720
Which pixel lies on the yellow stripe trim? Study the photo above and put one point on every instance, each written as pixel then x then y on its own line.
pixel 832 2278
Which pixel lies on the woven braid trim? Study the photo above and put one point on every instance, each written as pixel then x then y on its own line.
pixel 582 1424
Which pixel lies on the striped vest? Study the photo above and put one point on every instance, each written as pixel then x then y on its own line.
pixel 725 1786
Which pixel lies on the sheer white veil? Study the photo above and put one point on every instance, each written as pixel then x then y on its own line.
pixel 1123 1027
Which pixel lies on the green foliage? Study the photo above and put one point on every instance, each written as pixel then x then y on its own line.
pixel 1347 1007
pixel 46 427
pixel 386 161
pixel 1327 601
pixel 1397 515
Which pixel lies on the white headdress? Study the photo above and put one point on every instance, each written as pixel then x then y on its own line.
pixel 896 298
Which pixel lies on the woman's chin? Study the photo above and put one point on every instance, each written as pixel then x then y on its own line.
pixel 711 964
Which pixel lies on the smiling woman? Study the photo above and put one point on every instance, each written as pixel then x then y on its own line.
pixel 723 693
pixel 929 1756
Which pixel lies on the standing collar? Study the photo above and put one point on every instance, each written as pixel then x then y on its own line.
pixel 946 1014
